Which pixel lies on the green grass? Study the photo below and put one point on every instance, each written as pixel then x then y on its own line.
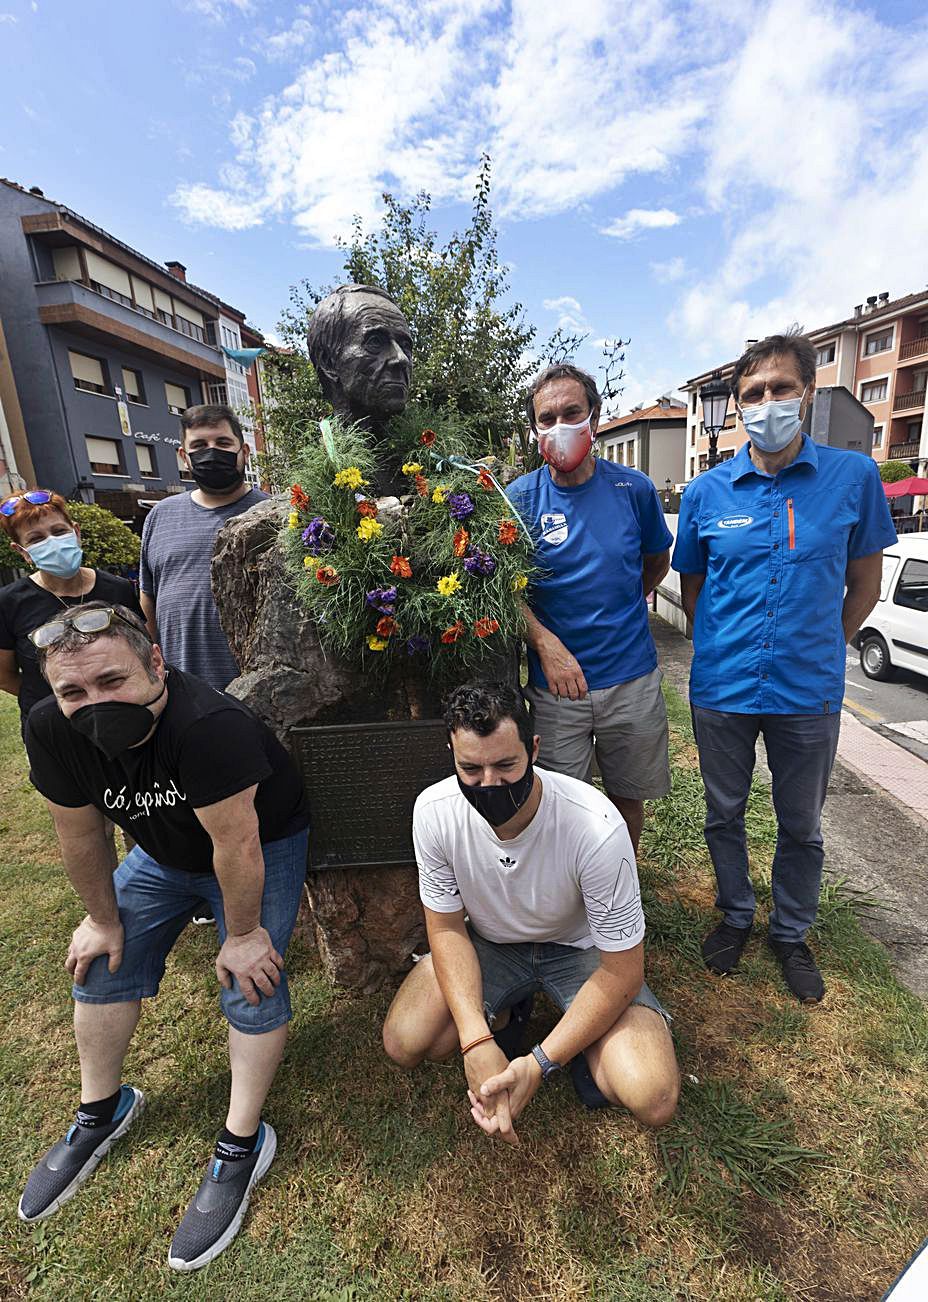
pixel 795 1168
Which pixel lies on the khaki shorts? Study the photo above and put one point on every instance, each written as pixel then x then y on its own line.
pixel 625 727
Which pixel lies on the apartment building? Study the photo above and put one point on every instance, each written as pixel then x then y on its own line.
pixel 880 354
pixel 651 439
pixel 104 349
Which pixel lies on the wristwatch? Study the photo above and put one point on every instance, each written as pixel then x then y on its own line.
pixel 548 1068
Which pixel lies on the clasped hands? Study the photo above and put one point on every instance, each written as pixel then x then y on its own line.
pixel 499 1090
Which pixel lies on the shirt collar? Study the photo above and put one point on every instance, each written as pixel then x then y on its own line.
pixel 742 465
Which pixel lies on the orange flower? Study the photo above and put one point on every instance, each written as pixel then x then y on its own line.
pixel 461 539
pixel 427 438
pixel 485 626
pixel 508 532
pixel 453 632
pixel 484 480
pixel 422 485
pixel 386 626
pixel 327 576
pixel 400 567
pixel 367 507
pixel 299 498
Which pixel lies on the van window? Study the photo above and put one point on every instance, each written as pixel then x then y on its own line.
pixel 912 590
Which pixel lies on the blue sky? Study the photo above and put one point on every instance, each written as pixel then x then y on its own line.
pixel 688 175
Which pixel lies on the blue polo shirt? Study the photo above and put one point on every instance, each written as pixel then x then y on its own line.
pixel 591 541
pixel 774 550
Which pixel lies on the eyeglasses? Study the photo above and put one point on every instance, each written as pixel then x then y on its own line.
pixel 80 621
pixel 36 497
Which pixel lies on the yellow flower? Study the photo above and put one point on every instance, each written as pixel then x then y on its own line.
pixel 308 562
pixel 519 582
pixel 448 584
pixel 377 643
pixel 369 528
pixel 440 493
pixel 293 520
pixel 412 468
pixel 350 477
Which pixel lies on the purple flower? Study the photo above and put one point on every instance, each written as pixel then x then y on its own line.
pixel 478 562
pixel 382 599
pixel 460 505
pixel 319 536
pixel 417 643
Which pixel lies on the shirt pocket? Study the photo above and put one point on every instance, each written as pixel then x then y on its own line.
pixel 817 526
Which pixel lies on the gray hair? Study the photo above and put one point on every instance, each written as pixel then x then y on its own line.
pixel 792 343
pixel 562 371
pixel 326 330
pixel 132 631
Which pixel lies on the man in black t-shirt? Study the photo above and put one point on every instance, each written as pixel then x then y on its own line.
pixel 217 810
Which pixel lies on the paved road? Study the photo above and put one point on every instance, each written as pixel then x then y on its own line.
pixel 897 710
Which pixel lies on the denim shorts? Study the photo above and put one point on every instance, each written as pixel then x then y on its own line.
pixel 155 905
pixel 511 972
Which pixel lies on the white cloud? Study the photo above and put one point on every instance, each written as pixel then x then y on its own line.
pixel 637 220
pixel 667 273
pixel 8 18
pixel 217 9
pixel 570 313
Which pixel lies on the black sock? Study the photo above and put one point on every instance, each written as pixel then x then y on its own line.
pixel 100 1113
pixel 235 1148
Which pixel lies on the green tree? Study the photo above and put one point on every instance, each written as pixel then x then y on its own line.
pixel 106 541
pixel 892 471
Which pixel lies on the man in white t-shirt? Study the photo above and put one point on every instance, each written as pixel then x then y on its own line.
pixel 528 881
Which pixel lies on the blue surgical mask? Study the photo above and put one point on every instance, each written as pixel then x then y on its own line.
pixel 60 555
pixel 772 426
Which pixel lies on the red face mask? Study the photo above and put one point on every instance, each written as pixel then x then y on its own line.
pixel 566 446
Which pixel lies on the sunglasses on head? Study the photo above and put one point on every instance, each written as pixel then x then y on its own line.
pixel 82 621
pixel 36 497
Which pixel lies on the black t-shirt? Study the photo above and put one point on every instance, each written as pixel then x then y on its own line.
pixel 207 746
pixel 24 606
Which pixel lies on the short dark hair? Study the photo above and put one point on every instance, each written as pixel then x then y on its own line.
pixel 562 371
pixel 210 413
pixel 129 627
pixel 482 707
pixel 325 332
pixel 791 343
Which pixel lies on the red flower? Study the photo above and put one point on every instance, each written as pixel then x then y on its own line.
pixel 461 539
pixel 485 626
pixel 386 626
pixel 327 576
pixel 484 480
pixel 427 438
pixel 366 507
pixel 299 499
pixel 453 632
pixel 422 485
pixel 400 567
pixel 508 532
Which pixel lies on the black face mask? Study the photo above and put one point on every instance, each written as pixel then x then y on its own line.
pixel 114 726
pixel 215 469
pixel 498 804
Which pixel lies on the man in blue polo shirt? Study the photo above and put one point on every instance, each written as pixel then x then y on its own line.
pixel 602 546
pixel 780 554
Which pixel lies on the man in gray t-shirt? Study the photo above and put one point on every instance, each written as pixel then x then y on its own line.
pixel 178 541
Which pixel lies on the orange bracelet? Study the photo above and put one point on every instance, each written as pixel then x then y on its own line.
pixel 466 1048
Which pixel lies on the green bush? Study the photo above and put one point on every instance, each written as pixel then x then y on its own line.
pixel 107 542
pixel 892 471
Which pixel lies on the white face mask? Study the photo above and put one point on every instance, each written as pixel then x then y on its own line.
pixel 565 446
pixel 772 426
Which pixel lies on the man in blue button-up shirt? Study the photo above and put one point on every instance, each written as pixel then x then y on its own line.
pixel 779 552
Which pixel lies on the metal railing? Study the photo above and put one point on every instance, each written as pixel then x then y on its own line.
pixel 914 348
pixel 903 451
pixel 906 401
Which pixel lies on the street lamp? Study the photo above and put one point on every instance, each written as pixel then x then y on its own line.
pixel 714 395
pixel 668 485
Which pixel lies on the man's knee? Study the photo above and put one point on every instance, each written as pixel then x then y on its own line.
pixel 658 1106
pixel 399 1049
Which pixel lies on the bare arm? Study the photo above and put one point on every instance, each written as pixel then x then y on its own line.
pixel 10 677
pixel 86 853
pixel 599 1003
pixel 148 610
pixel 690 588
pixel 863 578
pixel 561 669
pixel 653 569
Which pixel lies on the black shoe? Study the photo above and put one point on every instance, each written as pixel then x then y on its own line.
pixel 511 1038
pixel 215 1216
pixel 723 947
pixel 67 1164
pixel 800 971
pixel 588 1092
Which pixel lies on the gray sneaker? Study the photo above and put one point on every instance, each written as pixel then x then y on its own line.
pixel 215 1216
pixel 67 1164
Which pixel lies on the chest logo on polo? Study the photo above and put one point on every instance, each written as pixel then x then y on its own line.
pixel 735 521
pixel 508 863
pixel 554 528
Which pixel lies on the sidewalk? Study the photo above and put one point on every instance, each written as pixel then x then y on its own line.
pixel 875 824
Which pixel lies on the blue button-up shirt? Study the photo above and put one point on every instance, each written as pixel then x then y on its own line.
pixel 774 549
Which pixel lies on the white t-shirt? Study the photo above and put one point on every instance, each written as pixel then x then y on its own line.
pixel 568 878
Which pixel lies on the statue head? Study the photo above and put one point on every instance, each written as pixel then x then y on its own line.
pixel 360 345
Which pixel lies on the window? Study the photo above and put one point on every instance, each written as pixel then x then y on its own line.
pixel 141 292
pixel 178 399
pixel 89 373
pixel 182 467
pixel 693 403
pixel 67 263
pixel 104 456
pixel 878 436
pixel 825 354
pixel 874 391
pixel 881 342
pixel 914 432
pixel 630 453
pixel 132 385
pixel 147 467
pixel 912 589
pixel 692 467
pixel 217 394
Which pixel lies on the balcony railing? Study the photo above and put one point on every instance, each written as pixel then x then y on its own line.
pixel 906 401
pixel 903 451
pixel 914 348
pixel 173 321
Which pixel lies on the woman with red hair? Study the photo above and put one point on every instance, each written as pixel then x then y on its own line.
pixel 42 531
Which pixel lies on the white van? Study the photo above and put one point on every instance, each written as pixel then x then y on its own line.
pixel 895 633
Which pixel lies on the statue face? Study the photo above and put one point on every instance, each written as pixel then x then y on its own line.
pixel 375 365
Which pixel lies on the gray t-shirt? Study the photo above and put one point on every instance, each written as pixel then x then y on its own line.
pixel 177 547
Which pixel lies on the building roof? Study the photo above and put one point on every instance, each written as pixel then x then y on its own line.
pixel 674 411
